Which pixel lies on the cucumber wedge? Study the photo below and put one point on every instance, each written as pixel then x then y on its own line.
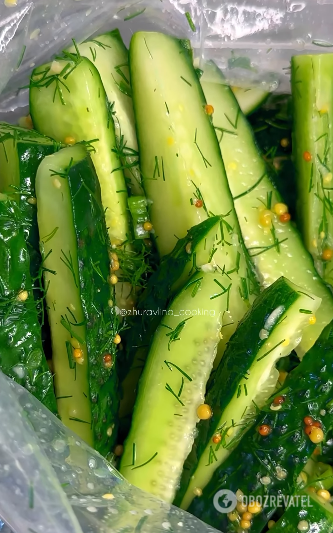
pixel 249 100
pixel 275 247
pixel 244 381
pixel 172 387
pixel 69 104
pixel 74 245
pixel 181 164
pixel 21 351
pixel 269 463
pixel 110 57
pixel 193 252
pixel 312 85
pixel 21 151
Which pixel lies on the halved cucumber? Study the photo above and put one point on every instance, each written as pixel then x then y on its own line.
pixel 110 57
pixel 69 104
pixel 246 377
pixel 74 245
pixel 274 245
pixel 173 386
pixel 181 164
pixel 312 86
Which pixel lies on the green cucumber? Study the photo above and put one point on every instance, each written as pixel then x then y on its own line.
pixel 276 249
pixel 21 351
pixel 180 160
pixel 307 512
pixel 312 85
pixel 138 208
pixel 173 386
pixel 74 245
pixel 110 57
pixel 250 100
pixel 190 254
pixel 21 151
pixel 272 329
pixel 269 465
pixel 69 104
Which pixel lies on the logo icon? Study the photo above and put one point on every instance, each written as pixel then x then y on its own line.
pixel 228 500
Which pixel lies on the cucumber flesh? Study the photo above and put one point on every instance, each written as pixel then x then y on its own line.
pixel 181 162
pixel 110 57
pixel 172 387
pixel 74 245
pixel 312 85
pixel 276 250
pixel 69 104
pixel 250 100
pixel 269 465
pixel 273 328
pixel 193 251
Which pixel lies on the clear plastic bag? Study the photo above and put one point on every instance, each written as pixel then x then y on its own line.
pixel 50 481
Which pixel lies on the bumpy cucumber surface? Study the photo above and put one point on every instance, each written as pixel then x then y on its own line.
pixel 173 386
pixel 274 245
pixel 270 464
pixel 21 151
pixel 74 245
pixel 68 103
pixel 312 85
pixel 110 57
pixel 245 379
pixel 180 160
pixel 21 351
pixel 307 511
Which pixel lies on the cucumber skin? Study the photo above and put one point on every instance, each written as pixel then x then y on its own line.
pixel 102 323
pixel 319 516
pixel 159 291
pixel 20 334
pixel 30 152
pixel 282 263
pixel 289 449
pixel 234 363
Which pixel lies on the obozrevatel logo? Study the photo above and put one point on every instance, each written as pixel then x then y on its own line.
pixel 227 498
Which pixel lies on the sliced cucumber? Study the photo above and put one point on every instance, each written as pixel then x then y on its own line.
pixel 110 57
pixel 172 387
pixel 312 86
pixel 76 266
pixel 21 151
pixel 276 248
pixel 181 164
pixel 269 459
pixel 249 100
pixel 21 350
pixel 193 252
pixel 272 329
pixel 68 103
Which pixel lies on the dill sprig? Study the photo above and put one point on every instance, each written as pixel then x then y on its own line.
pixel 174 333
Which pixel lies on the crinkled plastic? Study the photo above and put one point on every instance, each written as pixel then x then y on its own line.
pixel 50 481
